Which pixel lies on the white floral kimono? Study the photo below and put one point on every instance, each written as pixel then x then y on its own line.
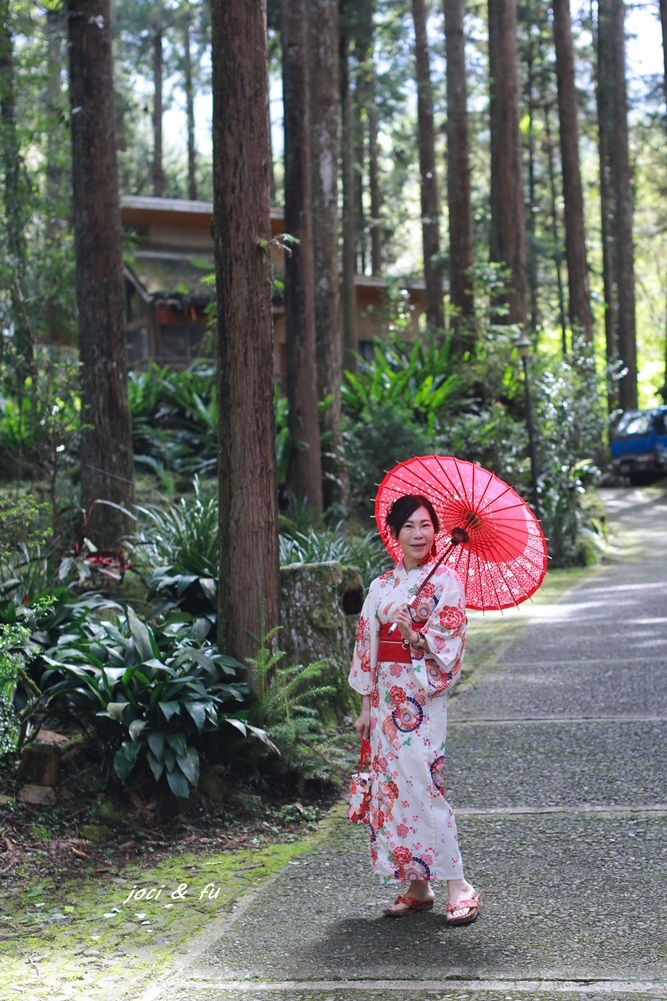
pixel 412 827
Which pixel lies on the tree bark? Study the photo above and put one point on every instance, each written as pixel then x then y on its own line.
pixel 324 91
pixel 107 467
pixel 348 300
pixel 531 236
pixel 360 20
pixel 617 200
pixel 57 177
pixel 16 198
pixel 304 476
pixel 459 199
pixel 508 238
pixel 430 202
pixel 374 177
pixel 663 23
pixel 249 588
pixel 555 237
pixel 575 231
pixel 359 156
pixel 605 107
pixel 158 171
pixel 190 111
pixel 627 337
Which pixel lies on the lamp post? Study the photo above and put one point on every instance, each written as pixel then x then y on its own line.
pixel 523 347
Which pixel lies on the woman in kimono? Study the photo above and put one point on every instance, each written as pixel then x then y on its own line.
pixel 408 653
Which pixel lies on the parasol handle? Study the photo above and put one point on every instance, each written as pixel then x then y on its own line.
pixel 459 535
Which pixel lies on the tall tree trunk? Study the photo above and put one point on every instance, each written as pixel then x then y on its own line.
pixel 555 237
pixel 16 198
pixel 663 23
pixel 627 337
pixel 575 231
pixel 459 197
pixel 55 48
pixel 57 181
pixel 249 588
pixel 359 17
pixel 531 236
pixel 107 466
pixel 605 107
pixel 374 175
pixel 190 111
pixel 272 166
pixel 348 296
pixel 508 238
pixel 158 170
pixel 304 476
pixel 324 90
pixel 616 189
pixel 430 204
pixel 359 154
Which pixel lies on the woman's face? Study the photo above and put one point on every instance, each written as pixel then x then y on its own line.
pixel 416 537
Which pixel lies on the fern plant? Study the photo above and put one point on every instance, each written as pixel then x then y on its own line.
pixel 292 708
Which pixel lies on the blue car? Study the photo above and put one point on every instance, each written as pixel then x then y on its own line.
pixel 639 445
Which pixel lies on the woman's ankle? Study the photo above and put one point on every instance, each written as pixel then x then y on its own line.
pixel 458 889
pixel 420 889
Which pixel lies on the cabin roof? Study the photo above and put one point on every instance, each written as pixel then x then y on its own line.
pixel 138 209
pixel 168 274
pixel 174 251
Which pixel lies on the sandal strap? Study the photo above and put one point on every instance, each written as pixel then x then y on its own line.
pixel 470 904
pixel 413 903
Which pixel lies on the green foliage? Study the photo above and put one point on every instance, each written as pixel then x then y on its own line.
pixel 418 379
pixel 19 647
pixel 143 693
pixel 291 705
pixel 490 436
pixel 283 440
pixel 37 286
pixel 185 534
pixel 40 420
pixel 384 434
pixel 366 552
pixel 571 425
pixel 174 420
pixel 394 407
pixel 12 639
pixel 23 521
pixel 179 547
pixel 25 575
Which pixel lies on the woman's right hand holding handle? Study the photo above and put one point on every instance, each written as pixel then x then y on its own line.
pixel 363 724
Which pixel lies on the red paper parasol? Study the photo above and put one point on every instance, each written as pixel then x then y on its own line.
pixel 488 534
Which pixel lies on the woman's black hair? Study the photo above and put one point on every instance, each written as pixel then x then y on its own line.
pixel 404 507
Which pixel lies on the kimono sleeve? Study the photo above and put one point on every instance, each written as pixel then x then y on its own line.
pixel 364 659
pixel 438 667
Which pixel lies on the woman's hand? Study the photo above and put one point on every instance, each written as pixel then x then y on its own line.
pixel 363 724
pixel 403 620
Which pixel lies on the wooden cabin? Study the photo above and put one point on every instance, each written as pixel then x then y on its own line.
pixel 169 267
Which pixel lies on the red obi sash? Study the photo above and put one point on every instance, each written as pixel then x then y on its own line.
pixel 392 648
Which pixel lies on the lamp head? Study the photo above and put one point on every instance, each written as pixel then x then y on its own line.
pixel 523 346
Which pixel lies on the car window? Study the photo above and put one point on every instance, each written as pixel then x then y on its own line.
pixel 661 423
pixel 634 422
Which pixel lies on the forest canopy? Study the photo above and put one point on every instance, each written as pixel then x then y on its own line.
pixel 162 93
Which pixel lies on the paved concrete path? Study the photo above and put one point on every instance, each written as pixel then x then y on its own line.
pixel 557 765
